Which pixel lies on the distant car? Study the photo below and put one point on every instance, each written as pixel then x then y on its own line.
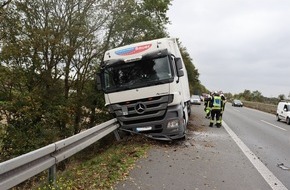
pixel 237 103
pixel 195 99
pixel 283 112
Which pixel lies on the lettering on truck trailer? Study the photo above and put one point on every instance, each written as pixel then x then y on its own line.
pixel 133 50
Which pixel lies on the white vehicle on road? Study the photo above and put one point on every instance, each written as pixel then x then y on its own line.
pixel 283 112
pixel 195 99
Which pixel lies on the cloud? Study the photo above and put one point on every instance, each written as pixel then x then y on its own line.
pixel 236 45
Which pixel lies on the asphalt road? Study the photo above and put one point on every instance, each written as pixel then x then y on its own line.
pixel 267 138
pixel 243 154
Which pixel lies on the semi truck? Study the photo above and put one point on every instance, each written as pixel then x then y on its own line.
pixel 146 88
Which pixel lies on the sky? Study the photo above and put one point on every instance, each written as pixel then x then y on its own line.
pixel 236 45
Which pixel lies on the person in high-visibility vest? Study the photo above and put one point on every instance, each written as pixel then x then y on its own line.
pixel 207 107
pixel 223 107
pixel 216 107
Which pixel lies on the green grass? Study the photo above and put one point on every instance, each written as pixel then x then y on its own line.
pixel 100 170
pixel 269 108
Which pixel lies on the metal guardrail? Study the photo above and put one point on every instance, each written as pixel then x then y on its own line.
pixel 19 169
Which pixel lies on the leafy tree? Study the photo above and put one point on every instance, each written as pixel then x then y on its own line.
pixel 193 74
pixel 247 95
pixel 49 54
pixel 133 21
pixel 281 97
pixel 4 3
pixel 229 96
pixel 256 96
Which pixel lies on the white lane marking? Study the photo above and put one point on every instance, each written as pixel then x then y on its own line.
pixel 269 177
pixel 274 125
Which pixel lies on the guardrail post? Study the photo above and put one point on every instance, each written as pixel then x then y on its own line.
pixel 52 175
pixel 117 135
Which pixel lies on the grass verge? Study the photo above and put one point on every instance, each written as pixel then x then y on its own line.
pixel 100 169
pixel 269 108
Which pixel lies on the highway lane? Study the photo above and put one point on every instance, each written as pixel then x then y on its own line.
pixel 208 159
pixel 267 138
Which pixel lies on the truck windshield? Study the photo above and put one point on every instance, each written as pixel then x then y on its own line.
pixel 137 74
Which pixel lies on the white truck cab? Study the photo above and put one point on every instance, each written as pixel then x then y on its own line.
pixel 283 112
pixel 146 88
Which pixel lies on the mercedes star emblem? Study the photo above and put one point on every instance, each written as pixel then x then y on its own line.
pixel 140 108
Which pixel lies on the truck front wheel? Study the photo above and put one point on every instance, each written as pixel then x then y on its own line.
pixel 188 109
pixel 288 120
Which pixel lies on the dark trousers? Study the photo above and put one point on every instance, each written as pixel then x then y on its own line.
pixel 215 114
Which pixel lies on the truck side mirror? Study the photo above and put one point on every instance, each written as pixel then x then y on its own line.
pixel 178 63
pixel 180 73
pixel 99 84
pixel 179 67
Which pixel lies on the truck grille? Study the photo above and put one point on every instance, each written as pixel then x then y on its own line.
pixel 142 110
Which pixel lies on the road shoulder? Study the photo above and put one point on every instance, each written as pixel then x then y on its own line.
pixel 207 159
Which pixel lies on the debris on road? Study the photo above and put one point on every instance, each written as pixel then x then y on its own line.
pixel 283 167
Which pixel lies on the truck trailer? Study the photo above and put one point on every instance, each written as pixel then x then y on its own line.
pixel 146 88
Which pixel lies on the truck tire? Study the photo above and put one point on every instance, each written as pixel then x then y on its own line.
pixel 277 116
pixel 189 110
pixel 288 120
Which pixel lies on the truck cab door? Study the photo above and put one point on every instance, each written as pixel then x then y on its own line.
pixel 284 112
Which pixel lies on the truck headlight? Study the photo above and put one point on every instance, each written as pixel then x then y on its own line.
pixel 173 124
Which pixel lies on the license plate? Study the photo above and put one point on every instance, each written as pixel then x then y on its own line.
pixel 144 128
